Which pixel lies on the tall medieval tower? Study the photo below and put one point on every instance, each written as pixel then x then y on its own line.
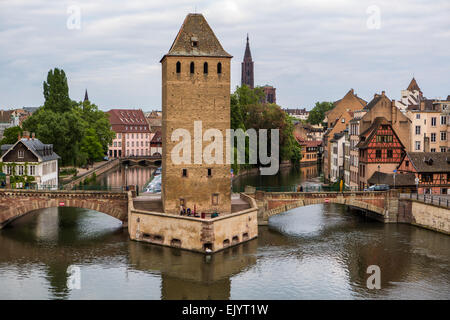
pixel 195 87
pixel 247 76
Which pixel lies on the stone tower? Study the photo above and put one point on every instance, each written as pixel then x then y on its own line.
pixel 195 87
pixel 247 67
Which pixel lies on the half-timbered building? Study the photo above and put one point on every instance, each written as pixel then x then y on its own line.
pixel 431 169
pixel 380 149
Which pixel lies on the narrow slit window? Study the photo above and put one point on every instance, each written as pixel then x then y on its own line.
pixel 205 68
pixel 219 68
pixel 184 173
pixel 178 67
pixel 192 67
pixel 209 172
pixel 215 199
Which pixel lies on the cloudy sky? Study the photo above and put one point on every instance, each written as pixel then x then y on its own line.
pixel 310 50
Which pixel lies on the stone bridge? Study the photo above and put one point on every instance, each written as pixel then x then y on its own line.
pixel 16 203
pixel 380 205
pixel 141 160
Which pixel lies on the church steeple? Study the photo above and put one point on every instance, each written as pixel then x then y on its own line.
pixel 86 98
pixel 247 76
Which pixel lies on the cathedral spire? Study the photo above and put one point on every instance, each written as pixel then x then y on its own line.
pixel 247 77
pixel 86 98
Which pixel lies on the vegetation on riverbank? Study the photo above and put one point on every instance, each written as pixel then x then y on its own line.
pixel 248 111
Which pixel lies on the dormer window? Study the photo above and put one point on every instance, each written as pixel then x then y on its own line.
pixel 194 42
pixel 21 154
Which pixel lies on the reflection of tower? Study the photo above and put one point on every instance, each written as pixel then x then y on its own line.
pixel 47 225
pixel 177 289
pixel 247 76
pixel 189 275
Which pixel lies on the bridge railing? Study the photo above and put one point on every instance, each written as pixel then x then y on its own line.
pixel 74 188
pixel 300 188
pixel 439 200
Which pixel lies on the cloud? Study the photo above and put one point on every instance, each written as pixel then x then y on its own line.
pixel 310 50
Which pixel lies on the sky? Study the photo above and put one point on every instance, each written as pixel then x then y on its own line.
pixel 310 50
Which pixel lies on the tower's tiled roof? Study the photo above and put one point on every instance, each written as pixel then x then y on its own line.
pixel 413 85
pixel 196 29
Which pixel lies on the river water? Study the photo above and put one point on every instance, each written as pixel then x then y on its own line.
pixel 315 252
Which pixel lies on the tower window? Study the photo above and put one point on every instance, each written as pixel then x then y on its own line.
pixel 192 67
pixel 178 67
pixel 184 173
pixel 215 199
pixel 209 172
pixel 219 68
pixel 205 68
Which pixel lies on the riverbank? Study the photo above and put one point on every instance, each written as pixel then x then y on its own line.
pixel 98 168
pixel 255 171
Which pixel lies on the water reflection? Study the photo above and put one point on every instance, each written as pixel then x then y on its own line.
pixel 314 252
pixel 285 177
pixel 135 175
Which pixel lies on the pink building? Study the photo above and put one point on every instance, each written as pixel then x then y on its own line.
pixel 132 133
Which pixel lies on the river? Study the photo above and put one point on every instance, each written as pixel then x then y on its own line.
pixel 315 252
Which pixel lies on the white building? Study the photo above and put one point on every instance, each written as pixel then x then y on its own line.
pixel 337 157
pixel 410 97
pixel 30 163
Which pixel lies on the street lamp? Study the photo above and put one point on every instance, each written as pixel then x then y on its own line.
pixel 378 174
pixel 126 177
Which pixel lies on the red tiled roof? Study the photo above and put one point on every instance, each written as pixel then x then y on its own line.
pixel 314 143
pixel 128 120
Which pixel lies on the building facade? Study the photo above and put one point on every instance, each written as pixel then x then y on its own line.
pixel 337 120
pixel 410 97
pixel 337 157
pixel 310 151
pixel 132 133
pixel 300 114
pixel 195 87
pixel 430 126
pixel 431 170
pixel 156 144
pixel 380 149
pixel 29 163
pixel 270 94
pixel 8 119
pixel 354 151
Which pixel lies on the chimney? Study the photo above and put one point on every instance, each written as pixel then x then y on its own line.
pixel 393 112
pixel 383 93
pixel 26 134
pixel 32 136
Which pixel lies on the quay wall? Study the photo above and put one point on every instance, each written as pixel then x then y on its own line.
pixel 194 234
pixel 425 215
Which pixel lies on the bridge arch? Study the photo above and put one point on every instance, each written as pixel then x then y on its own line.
pixel 17 203
pixel 379 205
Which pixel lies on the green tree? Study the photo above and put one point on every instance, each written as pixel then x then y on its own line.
pixel 79 132
pixel 317 114
pixel 248 111
pixel 10 135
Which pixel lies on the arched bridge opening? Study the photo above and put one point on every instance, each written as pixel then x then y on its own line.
pixel 17 203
